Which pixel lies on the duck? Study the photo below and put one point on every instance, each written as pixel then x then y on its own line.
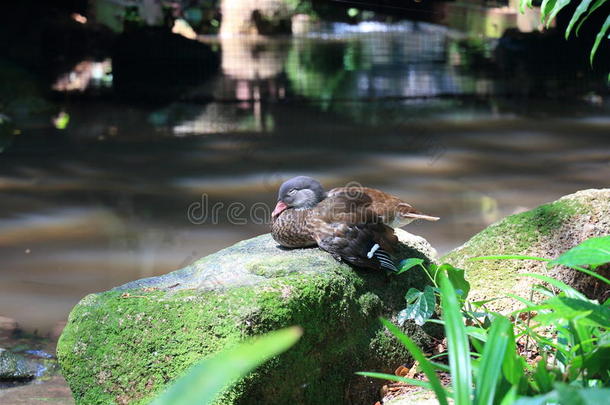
pixel 354 224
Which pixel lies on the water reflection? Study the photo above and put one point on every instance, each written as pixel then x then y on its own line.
pixel 401 108
pixel 84 75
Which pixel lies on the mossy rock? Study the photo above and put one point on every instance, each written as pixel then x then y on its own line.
pixel 546 231
pixel 125 345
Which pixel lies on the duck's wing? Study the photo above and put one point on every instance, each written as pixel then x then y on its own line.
pixel 360 245
pixel 345 205
pixel 387 207
pixel 347 228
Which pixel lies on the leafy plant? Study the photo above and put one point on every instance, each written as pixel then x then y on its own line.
pixel 550 8
pixel 206 379
pixel 490 375
pixel 421 304
pixel 569 330
pixel 568 327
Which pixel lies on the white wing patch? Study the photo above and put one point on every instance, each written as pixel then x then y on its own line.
pixel 372 251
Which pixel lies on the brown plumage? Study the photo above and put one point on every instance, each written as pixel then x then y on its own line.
pixel 354 224
pixel 389 209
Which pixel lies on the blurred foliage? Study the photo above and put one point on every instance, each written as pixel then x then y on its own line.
pixel 302 7
pixel 21 93
pixel 584 9
pixel 204 16
pixel 7 132
pixel 319 71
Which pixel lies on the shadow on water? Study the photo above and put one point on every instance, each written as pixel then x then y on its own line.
pixel 99 187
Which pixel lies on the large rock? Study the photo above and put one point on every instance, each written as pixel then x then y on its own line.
pixel 125 345
pixel 546 231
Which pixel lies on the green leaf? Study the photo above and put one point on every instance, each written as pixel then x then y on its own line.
pixel 205 380
pixel 580 10
pixel 567 394
pixel 412 295
pixel 488 375
pixel 592 252
pixel 593 396
pixel 477 333
pixel 456 276
pixel 596 5
pixel 544 380
pixel 523 4
pixel 426 366
pixel 457 343
pixel 549 397
pixel 583 335
pixel 572 308
pixel 545 9
pixel 600 35
pixel 560 4
pixel 420 305
pixel 597 362
pixel 409 264
pixel 513 365
pixel 573 395
pixel 510 396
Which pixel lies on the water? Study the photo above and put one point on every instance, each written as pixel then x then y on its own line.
pixel 120 192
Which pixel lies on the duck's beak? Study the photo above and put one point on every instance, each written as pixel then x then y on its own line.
pixel 279 208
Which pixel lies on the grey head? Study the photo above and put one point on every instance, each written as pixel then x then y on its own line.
pixel 301 192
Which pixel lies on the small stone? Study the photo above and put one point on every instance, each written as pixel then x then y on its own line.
pixel 14 367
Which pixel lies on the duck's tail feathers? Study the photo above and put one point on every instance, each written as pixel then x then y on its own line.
pixel 407 211
pixel 383 257
pixel 420 216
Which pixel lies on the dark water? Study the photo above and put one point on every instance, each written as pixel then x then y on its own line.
pixel 405 108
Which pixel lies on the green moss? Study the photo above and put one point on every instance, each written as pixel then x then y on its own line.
pixel 142 341
pixel 129 347
pixel 514 235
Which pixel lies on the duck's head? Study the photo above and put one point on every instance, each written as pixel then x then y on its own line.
pixel 300 192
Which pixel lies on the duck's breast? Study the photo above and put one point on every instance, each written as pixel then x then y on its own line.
pixel 292 229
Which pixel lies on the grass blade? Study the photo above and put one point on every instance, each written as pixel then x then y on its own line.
pixel 206 379
pixel 457 342
pixel 424 363
pixel 522 300
pixel 490 368
pixel 392 377
pixel 556 283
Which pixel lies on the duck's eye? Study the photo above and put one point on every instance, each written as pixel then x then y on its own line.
pixel 291 192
